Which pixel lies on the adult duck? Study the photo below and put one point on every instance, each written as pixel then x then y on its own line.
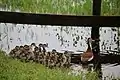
pixel 88 54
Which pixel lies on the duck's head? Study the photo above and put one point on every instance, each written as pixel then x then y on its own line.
pixel 36 48
pixel 66 52
pixel 40 45
pixel 21 48
pixel 26 47
pixel 54 51
pixel 17 47
pixel 49 53
pixel 45 45
pixel 33 44
pixel 90 41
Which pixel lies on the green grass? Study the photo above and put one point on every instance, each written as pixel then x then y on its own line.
pixel 13 69
pixel 74 7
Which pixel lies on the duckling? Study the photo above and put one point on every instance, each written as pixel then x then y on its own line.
pixel 33 45
pixel 48 59
pixel 12 53
pixel 46 45
pixel 21 51
pixel 64 59
pixel 53 58
pixel 21 48
pixel 25 54
pixel 36 53
pixel 59 60
pixel 42 58
pixel 68 57
pixel 31 53
pixel 27 57
pixel 40 47
pixel 54 51
pixel 26 47
pixel 88 55
pixel 43 48
pixel 36 49
pixel 17 48
pixel 43 51
pixel 17 51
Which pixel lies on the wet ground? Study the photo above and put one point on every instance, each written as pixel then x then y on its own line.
pixel 108 70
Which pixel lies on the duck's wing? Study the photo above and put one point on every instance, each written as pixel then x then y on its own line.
pixel 91 58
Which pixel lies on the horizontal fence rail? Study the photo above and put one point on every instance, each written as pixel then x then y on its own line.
pixel 59 20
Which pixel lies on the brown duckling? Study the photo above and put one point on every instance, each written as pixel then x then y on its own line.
pixel 31 52
pixel 36 53
pixel 12 53
pixel 40 47
pixel 26 47
pixel 44 54
pixel 59 59
pixel 53 58
pixel 54 51
pixel 41 58
pixel 45 45
pixel 64 59
pixel 25 53
pixel 43 48
pixel 17 48
pixel 48 59
pixel 33 45
pixel 17 51
pixel 68 59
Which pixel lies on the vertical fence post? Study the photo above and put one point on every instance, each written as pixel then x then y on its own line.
pixel 95 35
pixel 118 43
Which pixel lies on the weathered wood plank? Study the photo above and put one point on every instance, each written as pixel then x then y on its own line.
pixel 59 20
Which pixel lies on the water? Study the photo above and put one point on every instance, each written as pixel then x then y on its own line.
pixel 59 38
pixel 107 71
